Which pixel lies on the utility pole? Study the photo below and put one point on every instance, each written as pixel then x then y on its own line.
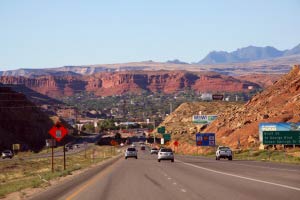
pixel 171 108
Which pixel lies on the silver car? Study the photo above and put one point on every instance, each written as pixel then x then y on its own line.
pixel 165 154
pixel 131 152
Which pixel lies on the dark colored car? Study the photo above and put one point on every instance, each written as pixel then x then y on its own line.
pixel 7 154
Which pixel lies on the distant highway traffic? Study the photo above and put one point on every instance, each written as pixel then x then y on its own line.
pixel 78 146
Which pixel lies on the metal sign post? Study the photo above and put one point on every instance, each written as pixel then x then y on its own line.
pixel 52 162
pixel 205 139
pixel 281 137
pixel 58 132
pixel 64 157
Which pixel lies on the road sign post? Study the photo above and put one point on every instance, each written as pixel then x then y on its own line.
pixel 52 160
pixel 176 143
pixel 85 145
pixel 58 132
pixel 64 157
pixel 167 137
pixel 205 139
pixel 161 129
pixel 281 137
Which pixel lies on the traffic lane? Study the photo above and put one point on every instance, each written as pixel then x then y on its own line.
pixel 290 177
pixel 69 183
pixel 140 178
pixel 211 185
pixel 254 163
pixel 145 178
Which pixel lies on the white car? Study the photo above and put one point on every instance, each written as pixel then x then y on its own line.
pixel 154 150
pixel 165 154
pixel 223 152
pixel 131 152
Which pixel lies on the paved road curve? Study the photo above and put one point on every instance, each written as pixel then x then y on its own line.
pixel 188 178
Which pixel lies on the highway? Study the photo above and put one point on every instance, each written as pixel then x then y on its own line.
pixel 89 140
pixel 187 178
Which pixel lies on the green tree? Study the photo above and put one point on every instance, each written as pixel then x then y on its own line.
pixel 108 124
pixel 89 128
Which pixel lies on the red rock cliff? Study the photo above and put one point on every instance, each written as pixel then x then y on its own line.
pixel 117 83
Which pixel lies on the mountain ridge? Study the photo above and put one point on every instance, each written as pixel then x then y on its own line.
pixel 247 54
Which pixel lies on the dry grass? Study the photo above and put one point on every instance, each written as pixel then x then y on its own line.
pixel 19 174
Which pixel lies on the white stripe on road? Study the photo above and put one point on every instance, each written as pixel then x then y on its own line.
pixel 273 168
pixel 242 177
pixel 265 167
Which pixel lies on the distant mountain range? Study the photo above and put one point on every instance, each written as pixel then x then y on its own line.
pixel 247 54
pixel 176 61
pixel 265 60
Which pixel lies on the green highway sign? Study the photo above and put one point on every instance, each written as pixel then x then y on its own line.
pixel 161 129
pixel 167 137
pixel 281 137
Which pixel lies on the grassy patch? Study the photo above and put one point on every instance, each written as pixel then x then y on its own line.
pixel 265 155
pixel 19 174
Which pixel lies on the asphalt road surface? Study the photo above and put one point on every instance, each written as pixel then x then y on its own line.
pixel 187 178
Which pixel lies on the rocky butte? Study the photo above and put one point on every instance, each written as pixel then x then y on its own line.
pixel 279 102
pixel 118 83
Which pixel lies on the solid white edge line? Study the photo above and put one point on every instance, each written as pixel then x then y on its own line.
pixel 242 177
pixel 255 166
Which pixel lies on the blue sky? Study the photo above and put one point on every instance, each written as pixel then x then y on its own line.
pixel 39 34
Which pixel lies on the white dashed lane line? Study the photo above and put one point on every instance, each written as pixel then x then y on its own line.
pixel 183 190
pixel 174 183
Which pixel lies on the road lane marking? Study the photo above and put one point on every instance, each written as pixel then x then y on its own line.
pixel 90 182
pixel 273 168
pixel 264 167
pixel 169 178
pixel 183 190
pixel 174 183
pixel 242 177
